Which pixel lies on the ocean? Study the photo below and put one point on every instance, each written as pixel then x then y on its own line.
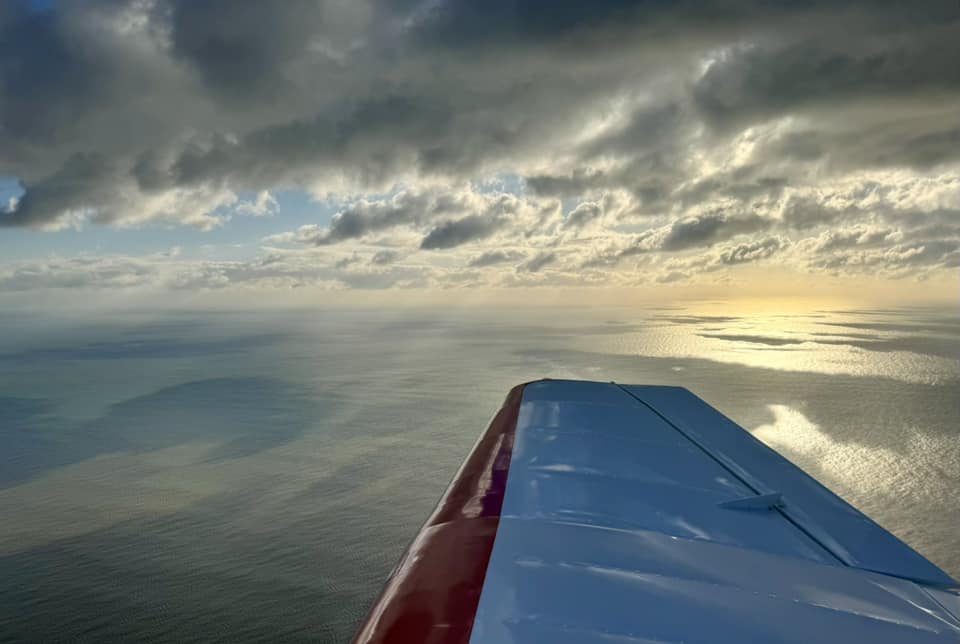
pixel 254 476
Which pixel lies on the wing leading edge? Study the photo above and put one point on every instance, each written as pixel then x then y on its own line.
pixel 641 514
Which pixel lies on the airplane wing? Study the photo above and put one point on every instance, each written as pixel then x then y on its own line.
pixel 603 513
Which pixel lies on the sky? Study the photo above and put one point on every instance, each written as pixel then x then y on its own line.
pixel 314 150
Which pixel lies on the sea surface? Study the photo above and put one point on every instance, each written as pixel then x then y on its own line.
pixel 243 476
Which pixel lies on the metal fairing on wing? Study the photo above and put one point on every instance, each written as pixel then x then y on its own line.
pixel 598 512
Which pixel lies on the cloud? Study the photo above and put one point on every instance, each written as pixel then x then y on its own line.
pixel 263 204
pixel 858 236
pixel 494 257
pixel 461 231
pixel 537 263
pixel 346 261
pixel 237 57
pixel 384 257
pixel 79 272
pixel 704 230
pixel 756 81
pixel 753 251
pixel 578 182
pixel 673 276
pixel 366 217
pixel 711 136
pixel 449 215
pixel 583 215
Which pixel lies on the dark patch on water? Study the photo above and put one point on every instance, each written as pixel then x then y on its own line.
pixel 245 415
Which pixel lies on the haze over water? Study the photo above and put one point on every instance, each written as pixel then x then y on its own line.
pixel 254 477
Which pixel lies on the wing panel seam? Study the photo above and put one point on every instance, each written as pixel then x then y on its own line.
pixel 721 462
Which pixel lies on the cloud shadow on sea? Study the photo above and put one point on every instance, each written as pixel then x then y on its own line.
pixel 925 345
pixel 243 416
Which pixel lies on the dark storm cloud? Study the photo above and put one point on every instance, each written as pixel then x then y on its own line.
pixel 742 184
pixel 372 137
pixel 565 26
pixel 450 217
pixel 461 231
pixel 896 141
pixel 240 48
pixel 707 229
pixel 367 217
pixel 74 186
pixel 578 182
pixel 408 208
pixel 45 78
pixel 695 234
pixel 458 22
pixel 649 127
pixel 800 213
pixel 760 81
pixel 649 146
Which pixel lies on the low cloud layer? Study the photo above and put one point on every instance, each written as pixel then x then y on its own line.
pixel 495 143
